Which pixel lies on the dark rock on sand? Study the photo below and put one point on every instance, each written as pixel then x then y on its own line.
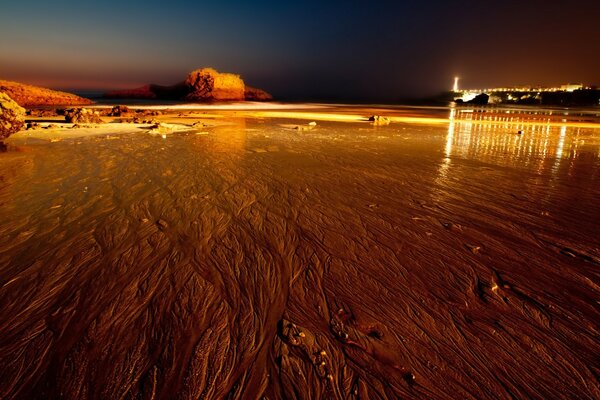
pixel 31 96
pixel 33 125
pixel 144 92
pixel 481 99
pixel 12 116
pixel 379 120
pixel 42 113
pixel 82 116
pixel 119 111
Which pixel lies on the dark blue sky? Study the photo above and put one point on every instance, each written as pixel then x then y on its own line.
pixel 322 50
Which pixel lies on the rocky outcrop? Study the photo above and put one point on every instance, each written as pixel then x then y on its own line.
pixel 12 116
pixel 201 85
pixel 208 84
pixel 254 94
pixel 82 116
pixel 31 96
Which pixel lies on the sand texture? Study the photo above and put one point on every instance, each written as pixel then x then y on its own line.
pixel 246 259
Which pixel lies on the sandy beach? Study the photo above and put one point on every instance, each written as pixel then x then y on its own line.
pixel 302 251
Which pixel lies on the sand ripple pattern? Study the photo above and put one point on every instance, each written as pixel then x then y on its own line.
pixel 339 264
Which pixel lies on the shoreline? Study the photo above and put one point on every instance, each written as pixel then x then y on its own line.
pixel 186 115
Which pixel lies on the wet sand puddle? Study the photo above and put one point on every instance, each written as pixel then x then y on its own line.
pixel 347 262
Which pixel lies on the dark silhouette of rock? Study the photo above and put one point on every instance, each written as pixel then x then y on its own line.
pixel 481 100
pixel 12 116
pixel 82 116
pixel 150 92
pixel 254 94
pixel 31 96
pixel 33 125
pixel 201 85
pixel 144 92
pixel 583 97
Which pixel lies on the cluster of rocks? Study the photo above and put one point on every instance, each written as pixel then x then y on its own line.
pixel 138 120
pixel 33 126
pixel 82 116
pixel 12 116
pixel 127 115
pixel 43 113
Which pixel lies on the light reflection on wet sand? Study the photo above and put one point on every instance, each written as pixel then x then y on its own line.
pixel 350 261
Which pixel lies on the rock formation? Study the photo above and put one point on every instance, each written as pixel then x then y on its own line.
pixel 12 116
pixel 31 96
pixel 254 94
pixel 201 85
pixel 208 84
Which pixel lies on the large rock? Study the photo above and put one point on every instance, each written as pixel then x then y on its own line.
pixel 31 96
pixel 208 84
pixel 201 85
pixel 12 116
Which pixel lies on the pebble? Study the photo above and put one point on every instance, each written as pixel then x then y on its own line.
pixel 162 224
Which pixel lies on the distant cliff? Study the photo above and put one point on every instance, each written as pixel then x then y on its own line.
pixel 30 96
pixel 201 85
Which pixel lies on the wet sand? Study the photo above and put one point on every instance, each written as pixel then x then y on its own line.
pixel 442 257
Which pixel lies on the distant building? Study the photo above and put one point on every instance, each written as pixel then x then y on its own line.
pixel 566 94
pixel 571 87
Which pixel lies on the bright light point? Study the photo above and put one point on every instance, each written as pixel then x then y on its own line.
pixel 455 87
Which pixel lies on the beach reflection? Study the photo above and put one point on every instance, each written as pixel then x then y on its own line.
pixel 527 142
